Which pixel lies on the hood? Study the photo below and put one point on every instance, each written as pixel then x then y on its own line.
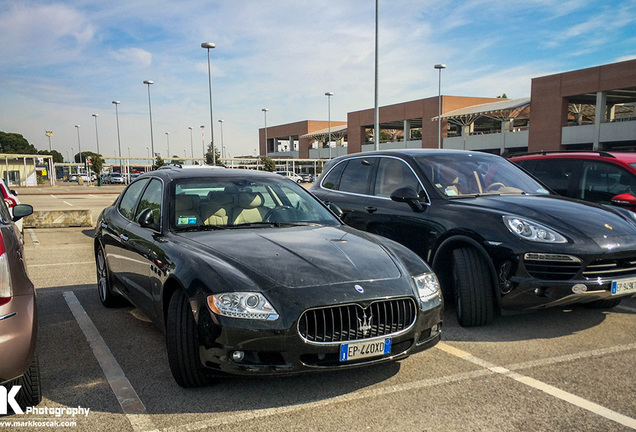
pixel 575 219
pixel 298 257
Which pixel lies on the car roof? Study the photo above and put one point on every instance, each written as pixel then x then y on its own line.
pixel 627 157
pixel 208 171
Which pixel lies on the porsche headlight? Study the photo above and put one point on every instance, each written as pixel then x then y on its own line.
pixel 247 305
pixel 427 286
pixel 533 231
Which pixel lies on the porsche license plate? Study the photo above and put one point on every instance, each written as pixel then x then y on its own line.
pixel 624 286
pixel 363 349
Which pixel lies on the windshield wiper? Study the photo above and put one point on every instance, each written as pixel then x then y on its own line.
pixel 201 228
pixel 254 224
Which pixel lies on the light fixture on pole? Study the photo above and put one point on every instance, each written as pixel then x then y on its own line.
pixel 49 134
pixel 96 133
pixel 265 112
pixel 191 145
pixel 439 67
pixel 116 103
pixel 209 46
pixel 152 141
pixel 222 146
pixel 329 94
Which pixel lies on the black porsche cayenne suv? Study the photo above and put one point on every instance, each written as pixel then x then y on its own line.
pixel 496 238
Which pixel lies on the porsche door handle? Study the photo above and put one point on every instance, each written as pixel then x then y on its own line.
pixel 371 209
pixel 104 225
pixel 124 237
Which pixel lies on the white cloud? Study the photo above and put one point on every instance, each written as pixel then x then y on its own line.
pixel 136 57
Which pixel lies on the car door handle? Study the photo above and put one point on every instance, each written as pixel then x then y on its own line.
pixel 371 209
pixel 124 237
pixel 104 225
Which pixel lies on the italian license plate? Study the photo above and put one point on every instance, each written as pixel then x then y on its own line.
pixel 625 286
pixel 363 349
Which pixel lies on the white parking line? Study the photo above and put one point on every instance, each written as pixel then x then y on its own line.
pixel 130 403
pixel 626 308
pixel 68 203
pixel 539 385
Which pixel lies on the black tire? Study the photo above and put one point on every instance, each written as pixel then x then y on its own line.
pixel 182 341
pixel 603 304
pixel 104 289
pixel 473 288
pixel 30 393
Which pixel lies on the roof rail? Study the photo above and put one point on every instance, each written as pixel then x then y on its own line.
pixel 546 152
pixel 170 166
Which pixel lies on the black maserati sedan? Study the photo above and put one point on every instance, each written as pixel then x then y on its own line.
pixel 248 273
pixel 496 237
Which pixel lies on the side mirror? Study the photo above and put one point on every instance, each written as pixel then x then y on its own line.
pixel 21 210
pixel 146 219
pixel 14 192
pixel 408 195
pixel 624 200
pixel 336 210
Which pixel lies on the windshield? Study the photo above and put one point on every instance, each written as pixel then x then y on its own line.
pixel 213 203
pixel 469 174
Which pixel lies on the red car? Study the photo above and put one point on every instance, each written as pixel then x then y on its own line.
pixel 595 176
pixel 19 370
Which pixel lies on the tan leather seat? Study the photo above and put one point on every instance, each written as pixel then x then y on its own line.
pixel 250 208
pixel 217 209
pixel 187 210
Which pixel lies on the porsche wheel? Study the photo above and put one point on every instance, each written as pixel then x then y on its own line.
pixel 473 288
pixel 182 342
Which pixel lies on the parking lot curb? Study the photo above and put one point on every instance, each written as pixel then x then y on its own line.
pixel 59 219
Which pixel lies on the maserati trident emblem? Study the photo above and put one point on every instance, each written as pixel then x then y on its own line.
pixel 365 324
pixel 359 289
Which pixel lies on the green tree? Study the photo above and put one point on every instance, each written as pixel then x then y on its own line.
pixel 97 163
pixel 15 143
pixel 57 156
pixel 208 156
pixel 268 164
pixel 158 163
pixel 503 96
pixel 175 160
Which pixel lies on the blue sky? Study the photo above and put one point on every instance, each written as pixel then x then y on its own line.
pixel 64 61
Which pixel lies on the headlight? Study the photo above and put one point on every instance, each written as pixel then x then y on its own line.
pixel 427 286
pixel 530 230
pixel 247 305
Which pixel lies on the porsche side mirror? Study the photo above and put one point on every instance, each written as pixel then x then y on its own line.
pixel 336 210
pixel 624 200
pixel 408 195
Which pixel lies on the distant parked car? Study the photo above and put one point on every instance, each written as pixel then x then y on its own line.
pixel 18 314
pixel 116 178
pixel 307 178
pixel 11 200
pixel 291 175
pixel 249 274
pixel 595 176
pixel 496 238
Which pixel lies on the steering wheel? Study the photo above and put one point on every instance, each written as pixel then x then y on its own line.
pixel 495 186
pixel 280 214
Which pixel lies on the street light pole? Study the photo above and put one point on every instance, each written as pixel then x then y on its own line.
pixel 168 140
pixel 439 67
pixel 79 145
pixel 376 110
pixel 209 46
pixel 152 142
pixel 96 133
pixel 191 145
pixel 203 141
pixel 265 112
pixel 329 94
pixel 222 146
pixel 121 171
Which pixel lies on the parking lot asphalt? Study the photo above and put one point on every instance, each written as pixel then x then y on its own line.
pixel 551 370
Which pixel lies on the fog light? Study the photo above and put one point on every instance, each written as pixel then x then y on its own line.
pixel 238 356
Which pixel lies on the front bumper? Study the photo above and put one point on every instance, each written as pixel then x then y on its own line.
pixel 273 348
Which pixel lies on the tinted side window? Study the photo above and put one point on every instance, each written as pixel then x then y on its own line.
pixel 332 181
pixel 556 173
pixel 130 198
pixel 357 175
pixel 151 199
pixel 394 174
pixel 601 181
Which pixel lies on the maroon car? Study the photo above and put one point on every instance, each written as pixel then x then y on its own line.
pixel 18 317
